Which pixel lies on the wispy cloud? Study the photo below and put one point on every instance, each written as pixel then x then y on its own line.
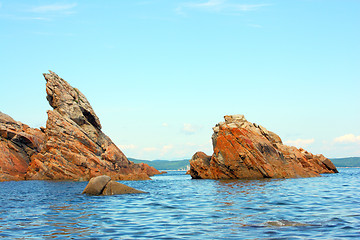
pixel 149 149
pixel 38 13
pixel 219 6
pixel 166 149
pixel 213 4
pixel 300 142
pixel 127 146
pixel 347 138
pixel 53 8
pixel 24 18
pixel 248 7
pixel 190 128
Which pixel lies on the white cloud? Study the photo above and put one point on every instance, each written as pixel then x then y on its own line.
pixel 219 6
pixel 165 125
pixel 189 128
pixel 300 142
pixel 53 8
pixel 347 138
pixel 170 151
pixel 127 146
pixel 165 149
pixel 214 4
pixel 149 149
pixel 248 7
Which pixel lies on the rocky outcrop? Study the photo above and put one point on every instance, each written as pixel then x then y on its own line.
pixel 74 147
pixel 18 143
pixel 244 150
pixel 102 185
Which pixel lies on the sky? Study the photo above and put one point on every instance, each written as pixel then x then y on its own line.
pixel 160 74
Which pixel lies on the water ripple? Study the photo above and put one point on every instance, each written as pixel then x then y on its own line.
pixel 177 207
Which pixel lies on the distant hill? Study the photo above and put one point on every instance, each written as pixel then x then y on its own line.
pixel 165 164
pixel 346 162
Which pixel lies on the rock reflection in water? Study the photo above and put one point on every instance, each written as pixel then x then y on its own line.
pixel 243 200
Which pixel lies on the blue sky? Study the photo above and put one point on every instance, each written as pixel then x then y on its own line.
pixel 160 74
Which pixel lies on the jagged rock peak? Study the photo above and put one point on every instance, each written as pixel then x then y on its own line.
pixel 238 118
pixel 69 101
pixel 75 148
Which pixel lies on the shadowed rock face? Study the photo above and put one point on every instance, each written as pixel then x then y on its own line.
pixel 247 150
pixel 18 142
pixel 74 147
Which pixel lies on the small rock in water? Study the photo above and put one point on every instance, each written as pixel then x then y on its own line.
pixel 102 185
pixel 114 188
pixel 285 223
pixel 96 185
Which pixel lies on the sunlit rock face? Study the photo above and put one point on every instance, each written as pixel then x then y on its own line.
pixel 74 146
pixel 18 142
pixel 245 150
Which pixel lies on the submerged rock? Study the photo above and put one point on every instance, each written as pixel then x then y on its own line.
pixel 18 143
pixel 75 148
pixel 286 223
pixel 247 150
pixel 102 185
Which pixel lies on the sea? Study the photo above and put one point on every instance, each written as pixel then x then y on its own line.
pixel 178 207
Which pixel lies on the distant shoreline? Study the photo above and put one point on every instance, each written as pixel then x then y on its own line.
pixel 347 167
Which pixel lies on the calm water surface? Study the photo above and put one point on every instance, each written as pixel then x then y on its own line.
pixel 177 207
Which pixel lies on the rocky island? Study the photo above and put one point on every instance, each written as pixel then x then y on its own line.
pixel 71 147
pixel 245 150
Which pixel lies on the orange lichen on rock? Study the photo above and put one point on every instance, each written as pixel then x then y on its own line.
pixel 243 150
pixel 71 147
pixel 18 142
pixel 75 148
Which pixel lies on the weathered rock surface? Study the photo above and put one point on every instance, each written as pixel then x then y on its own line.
pixel 96 185
pixel 18 142
pixel 102 185
pixel 247 150
pixel 75 148
pixel 116 188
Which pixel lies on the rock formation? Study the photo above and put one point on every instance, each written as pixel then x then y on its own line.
pixel 71 147
pixel 18 142
pixel 244 150
pixel 75 148
pixel 102 185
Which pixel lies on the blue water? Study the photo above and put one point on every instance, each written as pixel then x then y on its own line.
pixel 177 207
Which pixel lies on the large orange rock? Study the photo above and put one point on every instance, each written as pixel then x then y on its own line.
pixel 244 150
pixel 75 148
pixel 18 142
